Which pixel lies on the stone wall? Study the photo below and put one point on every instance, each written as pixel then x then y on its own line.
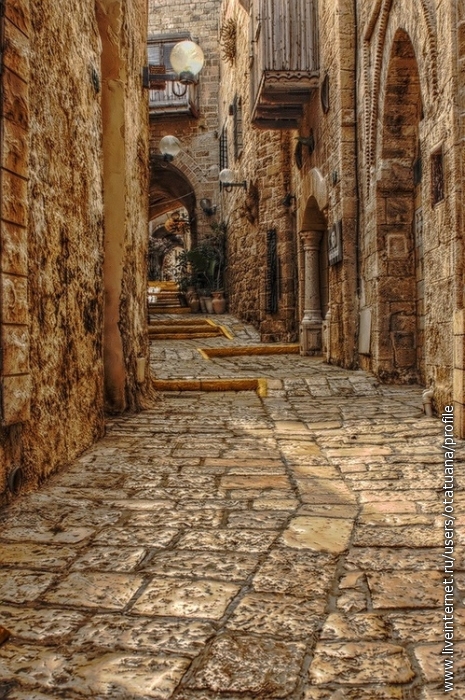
pixel 264 162
pixel 326 184
pixel 387 166
pixel 411 243
pixel 198 159
pixel 53 238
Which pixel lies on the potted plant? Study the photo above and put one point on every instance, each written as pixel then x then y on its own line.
pixel 203 265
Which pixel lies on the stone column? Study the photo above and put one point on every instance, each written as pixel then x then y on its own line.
pixel 311 325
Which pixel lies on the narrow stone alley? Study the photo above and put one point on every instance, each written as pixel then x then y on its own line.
pixel 240 545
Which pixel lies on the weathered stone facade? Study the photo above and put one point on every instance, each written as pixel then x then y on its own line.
pixel 376 160
pixel 194 173
pixel 411 191
pixel 73 227
pixel 262 244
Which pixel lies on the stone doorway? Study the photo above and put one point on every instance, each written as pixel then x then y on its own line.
pixel 399 335
pixel 314 277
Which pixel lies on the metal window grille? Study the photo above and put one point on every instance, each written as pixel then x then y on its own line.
pixel 164 100
pixel 238 126
pixel 272 276
pixel 224 149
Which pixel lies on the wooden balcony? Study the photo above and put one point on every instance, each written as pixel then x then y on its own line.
pixel 284 61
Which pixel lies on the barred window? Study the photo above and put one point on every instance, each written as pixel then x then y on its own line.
pixel 169 97
pixel 238 126
pixel 224 149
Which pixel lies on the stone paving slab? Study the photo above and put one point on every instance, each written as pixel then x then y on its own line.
pixel 230 546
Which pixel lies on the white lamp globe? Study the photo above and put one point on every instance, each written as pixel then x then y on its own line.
pixel 187 60
pixel 169 146
pixel 226 176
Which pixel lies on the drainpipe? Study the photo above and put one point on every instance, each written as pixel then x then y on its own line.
pixel 427 399
pixel 356 164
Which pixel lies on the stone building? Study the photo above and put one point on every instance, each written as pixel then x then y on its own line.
pixel 187 186
pixel 74 134
pixel 345 119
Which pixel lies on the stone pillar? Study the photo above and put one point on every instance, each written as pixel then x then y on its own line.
pixel 311 325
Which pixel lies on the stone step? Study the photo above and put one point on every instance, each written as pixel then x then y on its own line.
pixel 154 309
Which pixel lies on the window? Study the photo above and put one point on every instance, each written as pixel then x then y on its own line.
pixel 238 127
pixel 165 100
pixel 437 177
pixel 224 149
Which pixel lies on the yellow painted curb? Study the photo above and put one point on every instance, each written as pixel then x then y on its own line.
pixel 183 322
pixel 186 329
pixel 292 349
pixel 165 310
pixel 183 336
pixel 226 332
pixel 258 385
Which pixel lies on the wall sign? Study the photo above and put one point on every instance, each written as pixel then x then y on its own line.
pixel 335 243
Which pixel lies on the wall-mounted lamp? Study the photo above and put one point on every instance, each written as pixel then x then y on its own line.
pixel 227 177
pixel 207 208
pixel 169 147
pixel 187 60
pixel 287 201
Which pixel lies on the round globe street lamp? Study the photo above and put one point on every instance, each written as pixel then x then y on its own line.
pixel 169 147
pixel 227 178
pixel 187 61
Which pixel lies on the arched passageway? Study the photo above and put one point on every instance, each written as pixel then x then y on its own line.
pixel 172 219
pixel 398 334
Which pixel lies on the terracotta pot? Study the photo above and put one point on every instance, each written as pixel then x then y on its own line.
pixel 218 302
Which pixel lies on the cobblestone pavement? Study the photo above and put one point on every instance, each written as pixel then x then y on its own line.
pixel 224 545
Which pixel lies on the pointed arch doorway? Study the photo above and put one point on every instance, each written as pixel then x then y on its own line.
pixel 398 333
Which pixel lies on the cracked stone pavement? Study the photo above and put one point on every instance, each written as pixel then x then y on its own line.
pixel 227 545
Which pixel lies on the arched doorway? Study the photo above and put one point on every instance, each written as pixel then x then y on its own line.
pixel 169 235
pixel 172 220
pixel 398 336
pixel 314 280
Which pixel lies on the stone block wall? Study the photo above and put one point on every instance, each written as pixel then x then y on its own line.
pixel 326 184
pixel 411 228
pixel 53 237
pixel 388 165
pixel 264 162
pixel 198 159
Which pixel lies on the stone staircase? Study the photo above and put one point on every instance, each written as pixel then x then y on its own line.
pixel 168 299
pixel 187 329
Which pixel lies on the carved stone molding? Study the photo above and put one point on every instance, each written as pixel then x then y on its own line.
pixel 374 41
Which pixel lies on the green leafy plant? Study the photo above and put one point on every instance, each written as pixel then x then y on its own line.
pixel 203 265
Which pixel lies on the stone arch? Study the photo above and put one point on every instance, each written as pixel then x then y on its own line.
pixel 315 195
pixel 379 37
pixel 174 185
pixel 170 189
pixel 397 335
